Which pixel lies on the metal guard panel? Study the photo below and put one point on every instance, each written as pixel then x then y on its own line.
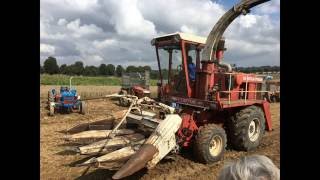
pixel 191 102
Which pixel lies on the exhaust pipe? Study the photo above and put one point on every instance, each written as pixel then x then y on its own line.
pixel 225 65
pixel 157 146
pixel 220 51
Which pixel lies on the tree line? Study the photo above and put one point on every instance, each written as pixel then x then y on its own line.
pixel 50 66
pixel 254 69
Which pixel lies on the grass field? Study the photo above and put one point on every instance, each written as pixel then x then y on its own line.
pixel 59 79
pixel 89 91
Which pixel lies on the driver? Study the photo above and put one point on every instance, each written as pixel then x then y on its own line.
pixel 191 69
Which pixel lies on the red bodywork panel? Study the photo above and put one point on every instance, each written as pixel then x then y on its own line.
pixel 138 90
pixel 185 67
pixel 266 110
pixel 187 128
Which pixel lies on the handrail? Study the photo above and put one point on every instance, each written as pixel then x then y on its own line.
pixel 241 91
pixel 245 94
pixel 229 88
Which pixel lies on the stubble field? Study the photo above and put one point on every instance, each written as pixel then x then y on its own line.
pixel 56 163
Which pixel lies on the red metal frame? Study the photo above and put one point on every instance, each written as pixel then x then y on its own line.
pixel 185 65
pixel 267 113
pixel 170 64
pixel 188 127
pixel 159 66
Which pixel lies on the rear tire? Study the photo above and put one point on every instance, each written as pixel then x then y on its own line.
pixel 83 107
pixel 246 128
pixel 210 143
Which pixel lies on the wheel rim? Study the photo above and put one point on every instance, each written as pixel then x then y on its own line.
pixel 215 145
pixel 254 129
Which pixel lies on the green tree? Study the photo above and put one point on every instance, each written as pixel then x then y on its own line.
pixel 110 69
pixel 119 70
pixel 148 68
pixel 63 69
pixel 154 74
pixel 78 68
pixel 50 65
pixel 131 69
pixel 69 70
pixel 90 71
pixel 103 69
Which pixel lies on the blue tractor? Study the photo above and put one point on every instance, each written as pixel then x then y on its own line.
pixel 66 101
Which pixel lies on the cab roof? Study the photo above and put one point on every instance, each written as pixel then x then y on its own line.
pixel 183 36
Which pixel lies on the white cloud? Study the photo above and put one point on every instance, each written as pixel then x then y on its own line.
pixel 47 49
pixel 62 22
pixel 119 32
pixel 197 16
pixel 187 29
pixel 81 4
pixel 269 8
pixel 82 30
pixel 128 20
pixel 95 58
pixel 248 20
pixel 104 43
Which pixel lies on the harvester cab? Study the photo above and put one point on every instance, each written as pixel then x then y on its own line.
pixel 177 55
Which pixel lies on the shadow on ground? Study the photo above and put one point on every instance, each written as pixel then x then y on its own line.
pixel 105 174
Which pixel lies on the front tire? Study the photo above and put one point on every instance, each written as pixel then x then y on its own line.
pixel 83 107
pixel 51 110
pixel 50 98
pixel 246 128
pixel 210 143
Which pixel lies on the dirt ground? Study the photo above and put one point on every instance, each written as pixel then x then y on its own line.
pixel 57 163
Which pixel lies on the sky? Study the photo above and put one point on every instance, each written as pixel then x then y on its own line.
pixel 119 31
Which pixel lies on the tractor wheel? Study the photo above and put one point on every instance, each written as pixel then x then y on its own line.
pixel 210 143
pixel 246 128
pixel 83 107
pixel 122 101
pixel 51 110
pixel 50 98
